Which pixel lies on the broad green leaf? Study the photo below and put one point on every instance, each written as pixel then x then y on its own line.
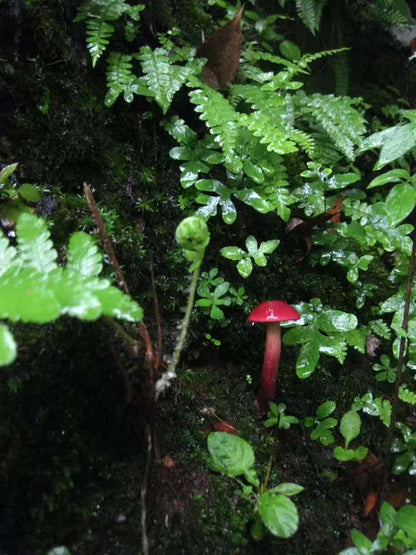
pixel 29 192
pixel 83 255
pixel 290 50
pixel 245 267
pixel 392 176
pixel 231 455
pixel 251 244
pixel 35 246
pixel 350 426
pixel 361 541
pixel 394 143
pixel 400 202
pixel 8 348
pixel 307 360
pixel 342 454
pixel 387 513
pixel 325 409
pixel 278 513
pixel 287 488
pixel 232 253
pixel 334 321
pixel 6 172
pixel 406 520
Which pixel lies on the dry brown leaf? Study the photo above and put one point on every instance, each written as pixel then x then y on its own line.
pixel 222 50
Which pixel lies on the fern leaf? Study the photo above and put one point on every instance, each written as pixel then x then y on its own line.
pixel 338 117
pixel 99 33
pixel 310 12
pixel 407 396
pixel 7 255
pixel 222 121
pixel 380 328
pixel 35 247
pixel 83 256
pixel 34 289
pixel 162 77
pixel 121 80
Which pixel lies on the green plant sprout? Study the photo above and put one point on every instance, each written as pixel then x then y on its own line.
pixel 350 427
pixel 192 236
pixel 277 417
pixel 33 288
pixel 273 510
pixel 323 423
pixel 254 251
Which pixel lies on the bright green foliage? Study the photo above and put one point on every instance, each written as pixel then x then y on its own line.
pixel 33 288
pixel 211 202
pixel 407 396
pixel 162 77
pixel 350 427
pixel 338 117
pixel 394 142
pixel 232 455
pixel 273 510
pixel 311 196
pixel 221 119
pixel 122 80
pixel 15 200
pixel 323 423
pixel 212 300
pixel 405 447
pixel 310 12
pixel 374 407
pixel 97 14
pixel 254 251
pixel 397 533
pixel 320 330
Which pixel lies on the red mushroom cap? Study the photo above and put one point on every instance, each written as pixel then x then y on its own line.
pixel 273 311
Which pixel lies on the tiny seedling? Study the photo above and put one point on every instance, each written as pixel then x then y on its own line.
pixel 322 423
pixel 350 427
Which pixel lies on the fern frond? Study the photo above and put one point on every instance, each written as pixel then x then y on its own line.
pixel 222 120
pixel 407 396
pixel 310 12
pixel 338 117
pixel 98 33
pixel 391 12
pixel 122 80
pixel 33 288
pixel 162 77
pixel 83 256
pixel 380 328
pixel 97 14
pixel 36 248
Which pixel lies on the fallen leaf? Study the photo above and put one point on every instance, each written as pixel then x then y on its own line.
pixel 223 51
pixel 370 503
pixel 225 427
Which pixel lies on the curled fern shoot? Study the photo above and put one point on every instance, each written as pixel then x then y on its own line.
pixel 192 236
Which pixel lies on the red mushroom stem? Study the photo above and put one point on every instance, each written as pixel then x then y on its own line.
pixel 270 366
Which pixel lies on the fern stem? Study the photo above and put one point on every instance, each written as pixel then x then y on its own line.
pixel 170 374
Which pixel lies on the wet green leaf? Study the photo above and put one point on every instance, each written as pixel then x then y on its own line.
pixel 278 513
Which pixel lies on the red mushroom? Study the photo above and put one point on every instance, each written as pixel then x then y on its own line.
pixel 271 313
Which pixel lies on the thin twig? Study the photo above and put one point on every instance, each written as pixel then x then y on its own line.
pixel 400 363
pixel 99 222
pixel 144 334
pixel 143 491
pixel 158 358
